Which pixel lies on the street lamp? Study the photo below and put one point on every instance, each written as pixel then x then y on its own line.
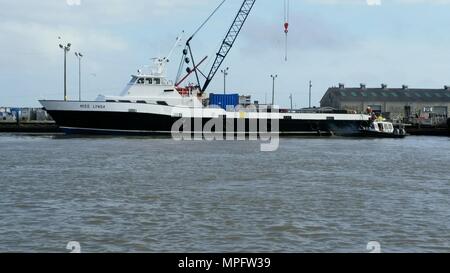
pixel 79 56
pixel 273 88
pixel 310 87
pixel 66 49
pixel 225 74
pixel 290 97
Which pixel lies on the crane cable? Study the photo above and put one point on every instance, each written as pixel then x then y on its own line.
pixel 187 48
pixel 207 19
pixel 286 26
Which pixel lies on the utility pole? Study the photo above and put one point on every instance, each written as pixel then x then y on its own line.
pixel 225 74
pixel 290 97
pixel 273 88
pixel 310 86
pixel 79 56
pixel 66 49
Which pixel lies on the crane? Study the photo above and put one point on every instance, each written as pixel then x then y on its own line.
pixel 225 47
pixel 229 40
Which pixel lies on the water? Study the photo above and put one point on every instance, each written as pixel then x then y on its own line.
pixel 159 195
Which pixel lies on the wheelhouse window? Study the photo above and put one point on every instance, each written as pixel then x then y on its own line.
pixel 149 81
pixel 157 81
pixel 141 81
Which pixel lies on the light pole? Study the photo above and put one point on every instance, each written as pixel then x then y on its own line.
pixel 225 74
pixel 66 49
pixel 290 97
pixel 79 56
pixel 310 86
pixel 273 88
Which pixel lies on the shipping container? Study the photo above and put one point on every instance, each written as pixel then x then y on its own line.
pixel 224 101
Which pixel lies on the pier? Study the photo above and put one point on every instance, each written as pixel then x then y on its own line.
pixel 26 120
pixel 29 127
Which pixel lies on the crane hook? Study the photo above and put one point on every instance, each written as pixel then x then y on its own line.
pixel 286 27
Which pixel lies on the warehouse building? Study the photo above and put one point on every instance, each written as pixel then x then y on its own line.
pixel 402 104
pixel 10 114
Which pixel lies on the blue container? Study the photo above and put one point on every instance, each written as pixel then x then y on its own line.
pixel 224 101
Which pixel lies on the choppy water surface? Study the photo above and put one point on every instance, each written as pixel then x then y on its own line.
pixel 159 195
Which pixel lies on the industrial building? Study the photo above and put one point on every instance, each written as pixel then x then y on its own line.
pixel 11 114
pixel 402 104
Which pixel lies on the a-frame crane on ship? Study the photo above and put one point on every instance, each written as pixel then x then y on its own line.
pixel 225 47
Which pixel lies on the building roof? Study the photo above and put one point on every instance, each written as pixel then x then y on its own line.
pixel 389 94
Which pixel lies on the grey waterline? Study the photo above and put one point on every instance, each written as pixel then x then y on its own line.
pixel 159 195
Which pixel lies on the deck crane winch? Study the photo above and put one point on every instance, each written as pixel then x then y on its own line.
pixel 225 47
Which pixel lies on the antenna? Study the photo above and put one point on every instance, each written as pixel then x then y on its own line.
pixel 177 43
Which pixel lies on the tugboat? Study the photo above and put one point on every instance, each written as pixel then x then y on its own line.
pixel 380 128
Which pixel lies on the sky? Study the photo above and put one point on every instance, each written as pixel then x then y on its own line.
pixel 394 42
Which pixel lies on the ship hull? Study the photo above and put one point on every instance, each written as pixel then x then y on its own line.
pixel 110 121
pixel 371 134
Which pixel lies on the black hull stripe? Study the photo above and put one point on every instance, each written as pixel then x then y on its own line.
pixel 140 123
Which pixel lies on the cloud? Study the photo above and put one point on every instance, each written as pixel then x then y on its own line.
pixel 326 44
pixel 374 2
pixel 306 33
pixel 100 12
pixel 23 39
pixel 30 28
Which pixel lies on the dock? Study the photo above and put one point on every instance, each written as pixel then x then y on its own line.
pixel 29 127
pixel 26 120
pixel 417 129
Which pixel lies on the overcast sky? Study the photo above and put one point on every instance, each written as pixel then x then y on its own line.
pixel 331 41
